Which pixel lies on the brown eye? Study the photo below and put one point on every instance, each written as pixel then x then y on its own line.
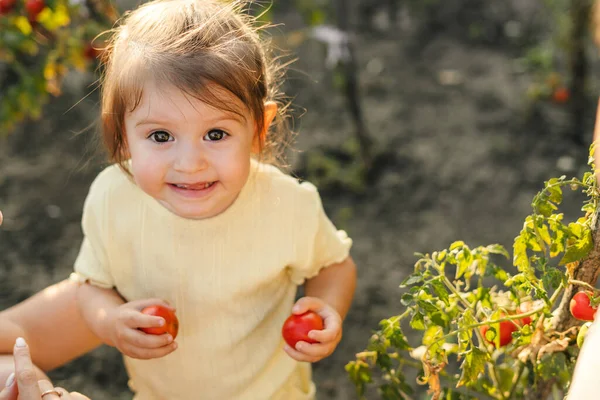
pixel 161 137
pixel 215 135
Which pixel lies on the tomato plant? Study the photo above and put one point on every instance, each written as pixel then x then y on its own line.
pixel 171 325
pixel 506 329
pixel 41 41
pixel 297 326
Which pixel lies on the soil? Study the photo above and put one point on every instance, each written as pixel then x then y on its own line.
pixel 457 159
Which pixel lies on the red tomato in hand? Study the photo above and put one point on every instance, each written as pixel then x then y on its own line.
pixel 580 306
pixel 34 7
pixel 171 325
pixel 296 327
pixel 506 330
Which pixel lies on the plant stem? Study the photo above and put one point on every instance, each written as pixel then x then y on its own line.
pixel 515 382
pixel 581 283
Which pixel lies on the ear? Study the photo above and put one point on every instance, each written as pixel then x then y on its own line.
pixel 268 117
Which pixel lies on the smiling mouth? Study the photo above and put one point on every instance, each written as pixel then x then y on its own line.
pixel 193 186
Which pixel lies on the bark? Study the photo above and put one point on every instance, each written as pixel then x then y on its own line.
pixel 587 271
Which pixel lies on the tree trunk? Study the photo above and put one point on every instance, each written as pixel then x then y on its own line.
pixel 587 271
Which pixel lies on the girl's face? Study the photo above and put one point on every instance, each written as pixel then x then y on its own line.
pixel 192 158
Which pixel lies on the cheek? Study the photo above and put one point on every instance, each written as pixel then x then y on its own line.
pixel 145 168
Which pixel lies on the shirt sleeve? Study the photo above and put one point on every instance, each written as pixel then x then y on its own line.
pixel 92 264
pixel 327 245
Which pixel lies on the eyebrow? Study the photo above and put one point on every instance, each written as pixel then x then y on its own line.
pixel 227 117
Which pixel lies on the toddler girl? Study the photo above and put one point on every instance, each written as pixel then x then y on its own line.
pixel 192 212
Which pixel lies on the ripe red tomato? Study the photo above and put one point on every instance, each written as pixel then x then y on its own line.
pixel 171 325
pixel 34 7
pixel 580 306
pixel 296 327
pixel 6 6
pixel 561 95
pixel 506 330
pixel 523 308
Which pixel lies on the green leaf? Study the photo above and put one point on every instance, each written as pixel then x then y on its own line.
pixel 412 279
pixel 472 366
pixel 418 322
pixel 553 365
pixel 552 278
pixel 580 248
pixel 554 192
pixel 440 290
pixel 392 331
pixel 456 245
pixel 520 257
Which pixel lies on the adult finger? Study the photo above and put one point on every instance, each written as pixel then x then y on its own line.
pixel 77 396
pixel 49 392
pixel 10 391
pixel 24 372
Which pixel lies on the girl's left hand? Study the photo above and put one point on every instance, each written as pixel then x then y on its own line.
pixel 328 338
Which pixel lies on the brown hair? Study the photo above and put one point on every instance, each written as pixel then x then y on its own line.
pixel 200 47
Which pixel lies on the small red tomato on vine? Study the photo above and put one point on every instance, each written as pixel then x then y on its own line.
pixel 561 95
pixel 34 7
pixel 6 6
pixel 523 308
pixel 505 332
pixel 581 308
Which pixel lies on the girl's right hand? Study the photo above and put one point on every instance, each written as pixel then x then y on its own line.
pixel 129 340
pixel 26 386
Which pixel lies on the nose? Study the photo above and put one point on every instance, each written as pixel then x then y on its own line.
pixel 189 159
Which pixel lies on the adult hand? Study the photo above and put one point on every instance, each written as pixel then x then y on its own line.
pixel 26 386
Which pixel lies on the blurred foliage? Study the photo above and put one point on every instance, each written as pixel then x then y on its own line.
pixel 40 42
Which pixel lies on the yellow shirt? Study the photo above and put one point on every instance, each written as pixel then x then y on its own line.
pixel 232 278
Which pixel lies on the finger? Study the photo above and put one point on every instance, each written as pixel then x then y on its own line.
pixel 1 218
pixel 135 319
pixel 64 393
pixel 78 396
pixel 147 354
pixel 305 304
pixel 326 335
pixel 298 356
pixel 46 387
pixel 10 391
pixel 147 341
pixel 24 372
pixel 319 350
pixel 143 303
